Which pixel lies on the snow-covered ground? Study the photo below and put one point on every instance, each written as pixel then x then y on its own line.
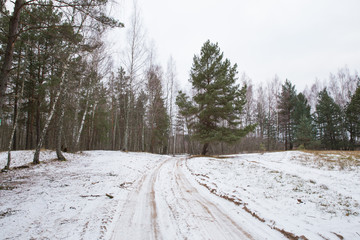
pixel 67 200
pixel 117 195
pixel 311 195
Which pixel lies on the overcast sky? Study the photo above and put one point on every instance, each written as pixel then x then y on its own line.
pixel 300 40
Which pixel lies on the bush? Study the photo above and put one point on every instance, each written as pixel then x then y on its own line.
pixel 301 147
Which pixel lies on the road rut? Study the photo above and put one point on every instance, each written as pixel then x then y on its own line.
pixel 167 203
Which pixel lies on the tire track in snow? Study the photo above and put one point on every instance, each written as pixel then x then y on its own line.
pixel 138 218
pixel 219 224
pixel 166 204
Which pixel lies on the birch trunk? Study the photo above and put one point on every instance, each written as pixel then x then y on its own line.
pixel 48 120
pixel 91 135
pixel 7 167
pixel 82 122
pixel 114 132
pixel 76 117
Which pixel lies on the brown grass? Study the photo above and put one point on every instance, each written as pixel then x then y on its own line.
pixel 290 235
pixel 342 159
pixel 338 235
pixel 324 153
pixel 253 214
pixel 211 156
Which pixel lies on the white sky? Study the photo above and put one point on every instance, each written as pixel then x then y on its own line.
pixel 300 40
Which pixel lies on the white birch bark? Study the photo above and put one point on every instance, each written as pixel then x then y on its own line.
pixel 82 121
pixel 92 114
pixel 48 120
pixel 7 167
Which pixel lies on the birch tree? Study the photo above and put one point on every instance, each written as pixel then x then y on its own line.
pixel 134 61
pixel 171 76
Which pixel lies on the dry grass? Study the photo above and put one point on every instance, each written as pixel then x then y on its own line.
pixel 212 156
pixel 353 154
pixel 333 159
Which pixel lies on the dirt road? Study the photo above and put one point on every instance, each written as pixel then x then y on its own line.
pixel 167 203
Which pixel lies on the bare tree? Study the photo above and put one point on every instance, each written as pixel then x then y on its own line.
pixel 134 61
pixel 249 107
pixel 171 77
pixel 312 93
pixel 342 86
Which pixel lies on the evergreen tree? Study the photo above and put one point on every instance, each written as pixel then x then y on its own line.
pixel 352 112
pixel 304 132
pixel 301 108
pixel 71 10
pixel 218 101
pixel 270 132
pixel 157 113
pixel 329 121
pixel 286 106
pixel 140 110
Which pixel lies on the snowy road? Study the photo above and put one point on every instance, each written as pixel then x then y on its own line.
pixel 291 195
pixel 167 203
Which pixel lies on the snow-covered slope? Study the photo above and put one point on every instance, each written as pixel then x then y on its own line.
pixel 314 195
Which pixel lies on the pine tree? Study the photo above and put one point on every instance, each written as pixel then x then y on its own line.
pixel 218 101
pixel 329 121
pixel 304 132
pixel 157 114
pixel 301 108
pixel 286 105
pixel 352 112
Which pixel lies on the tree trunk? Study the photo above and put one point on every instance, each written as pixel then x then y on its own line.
pixel 114 132
pixel 82 122
pixel 59 129
pixel 204 150
pixel 174 144
pixel 126 132
pixel 13 132
pixel 76 117
pixel 48 120
pixel 15 117
pixel 143 135
pixel 9 52
pixel 91 133
pixel 38 124
pixel 29 130
pixel 286 138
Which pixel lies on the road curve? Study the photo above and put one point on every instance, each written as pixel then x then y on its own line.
pixel 167 203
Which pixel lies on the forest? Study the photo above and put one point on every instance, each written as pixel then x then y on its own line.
pixel 61 90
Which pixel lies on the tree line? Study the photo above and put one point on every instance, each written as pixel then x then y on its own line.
pixel 324 116
pixel 61 91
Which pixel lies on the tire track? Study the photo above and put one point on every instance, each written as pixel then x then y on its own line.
pixel 225 227
pixel 166 204
pixel 138 218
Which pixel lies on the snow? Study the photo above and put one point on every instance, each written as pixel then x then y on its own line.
pixel 162 197
pixel 67 200
pixel 289 190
